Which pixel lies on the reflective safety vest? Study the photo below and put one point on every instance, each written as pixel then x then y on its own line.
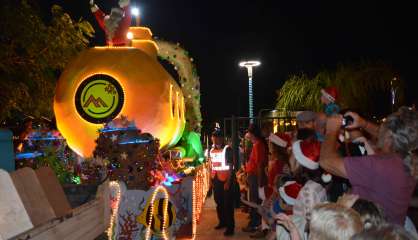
pixel 218 159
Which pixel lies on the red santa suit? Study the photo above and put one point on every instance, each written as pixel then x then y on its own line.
pixel 119 35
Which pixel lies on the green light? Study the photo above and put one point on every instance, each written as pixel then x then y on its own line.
pixel 76 180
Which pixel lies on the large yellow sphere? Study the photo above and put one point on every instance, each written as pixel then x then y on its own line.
pixel 104 83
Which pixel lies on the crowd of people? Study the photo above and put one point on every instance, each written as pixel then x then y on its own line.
pixel 337 176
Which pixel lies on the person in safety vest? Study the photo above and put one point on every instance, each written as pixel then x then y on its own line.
pixel 221 158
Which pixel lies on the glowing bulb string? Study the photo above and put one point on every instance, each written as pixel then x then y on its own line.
pixel 115 210
pixel 165 209
pixel 194 221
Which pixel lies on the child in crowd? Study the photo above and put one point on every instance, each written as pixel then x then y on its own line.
pixel 281 201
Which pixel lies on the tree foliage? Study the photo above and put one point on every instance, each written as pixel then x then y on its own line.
pixel 33 52
pixel 364 87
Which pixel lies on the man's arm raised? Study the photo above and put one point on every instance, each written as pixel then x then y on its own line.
pixel 329 159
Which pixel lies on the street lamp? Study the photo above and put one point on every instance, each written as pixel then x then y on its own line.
pixel 249 66
pixel 393 89
pixel 135 12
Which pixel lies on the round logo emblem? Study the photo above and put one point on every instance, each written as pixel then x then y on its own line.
pixel 99 98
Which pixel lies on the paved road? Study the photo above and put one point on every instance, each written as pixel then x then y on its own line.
pixel 206 231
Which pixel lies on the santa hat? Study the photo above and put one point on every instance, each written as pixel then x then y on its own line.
pixel 289 192
pixel 307 153
pixel 331 93
pixel 281 139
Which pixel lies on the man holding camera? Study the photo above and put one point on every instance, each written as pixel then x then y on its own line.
pixel 386 178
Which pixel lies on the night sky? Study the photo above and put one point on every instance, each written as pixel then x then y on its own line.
pixel 288 37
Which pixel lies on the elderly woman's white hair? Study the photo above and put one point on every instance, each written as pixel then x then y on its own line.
pixel 403 131
pixel 331 221
pixel 386 231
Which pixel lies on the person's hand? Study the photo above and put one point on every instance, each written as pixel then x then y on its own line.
pixel 287 223
pixel 347 200
pixel 334 123
pixel 357 120
pixel 93 7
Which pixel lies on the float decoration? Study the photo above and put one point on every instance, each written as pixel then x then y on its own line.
pixel 191 147
pixel 46 148
pixel 189 80
pixel 116 24
pixel 144 83
pixel 130 155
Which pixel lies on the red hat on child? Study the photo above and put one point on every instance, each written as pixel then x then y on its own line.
pixel 289 192
pixel 307 153
pixel 281 139
pixel 331 93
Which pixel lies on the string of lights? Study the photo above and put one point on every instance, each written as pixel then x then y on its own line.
pixel 151 216
pixel 113 218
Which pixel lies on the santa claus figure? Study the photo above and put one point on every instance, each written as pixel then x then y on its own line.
pixel 116 24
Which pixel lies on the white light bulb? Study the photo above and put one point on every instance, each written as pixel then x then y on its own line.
pixel 129 35
pixel 135 11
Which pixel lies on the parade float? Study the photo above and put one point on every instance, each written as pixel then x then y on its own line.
pixel 135 132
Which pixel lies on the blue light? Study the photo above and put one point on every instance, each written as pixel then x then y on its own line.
pixel 45 138
pixel 169 180
pixel 117 129
pixel 135 141
pixel 28 155
pixel 168 184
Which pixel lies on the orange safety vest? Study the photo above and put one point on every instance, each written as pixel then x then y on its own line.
pixel 219 166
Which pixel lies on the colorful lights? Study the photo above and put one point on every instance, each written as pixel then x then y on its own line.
pixel 170 179
pixel 28 155
pixel 115 208
pixel 45 138
pixel 135 141
pixel 76 180
pixel 194 217
pixel 200 189
pixel 189 80
pixel 117 129
pixel 151 216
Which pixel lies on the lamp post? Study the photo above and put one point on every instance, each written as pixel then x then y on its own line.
pixel 135 12
pixel 393 89
pixel 249 66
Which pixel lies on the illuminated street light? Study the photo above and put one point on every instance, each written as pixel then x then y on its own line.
pixel 135 12
pixel 249 66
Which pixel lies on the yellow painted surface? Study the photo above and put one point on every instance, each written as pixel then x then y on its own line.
pixel 146 89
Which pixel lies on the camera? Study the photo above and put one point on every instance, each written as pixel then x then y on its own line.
pixel 347 120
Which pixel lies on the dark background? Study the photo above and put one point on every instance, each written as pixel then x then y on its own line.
pixel 287 36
